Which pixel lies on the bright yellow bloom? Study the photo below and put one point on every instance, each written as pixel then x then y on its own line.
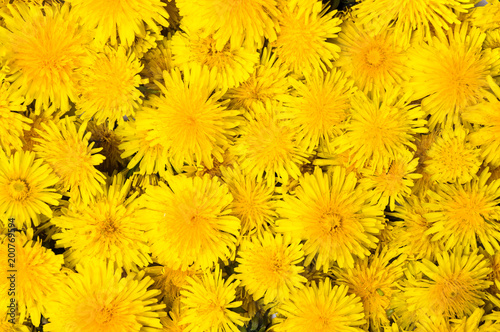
pixel 98 298
pixel 450 73
pixel 465 214
pixel 245 22
pixel 193 225
pixel 305 31
pixel 232 64
pixel 269 267
pixel 487 17
pixel 439 323
pixel 108 230
pixel 108 87
pixel 374 279
pixel 26 188
pixel 420 18
pixel 254 203
pixel 319 108
pixel 208 304
pixel 45 46
pixel 67 150
pixel 453 287
pixel 374 61
pixel 381 129
pixel 38 274
pixel 268 145
pixel 157 60
pixel 321 308
pixel 452 157
pixel 188 120
pixel 120 19
pixel 333 215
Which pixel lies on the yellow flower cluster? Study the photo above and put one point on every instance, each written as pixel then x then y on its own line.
pixel 249 165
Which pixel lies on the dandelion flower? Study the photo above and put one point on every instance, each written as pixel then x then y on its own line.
pixel 156 61
pixel 465 214
pixel 120 19
pixel 269 267
pixel 45 46
pixel 108 88
pixel 253 204
pixel 67 150
pixel 439 323
pixel 452 157
pixel 98 298
pixel 320 107
pixel 245 22
pixel 486 115
pixel 453 287
pixel 303 43
pixel 232 65
pixel 333 215
pixel 38 273
pixel 267 145
pixel 374 279
pixel 321 308
pixel 187 120
pixel 26 188
pixel 208 304
pixel 487 17
pixel 193 222
pixel 374 61
pixel 392 185
pixel 111 230
pixel 268 83
pixel 450 73
pixel 419 18
pixel 381 129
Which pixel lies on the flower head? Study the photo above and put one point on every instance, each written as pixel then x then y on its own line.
pixel 269 267
pixel 333 215
pixel 26 188
pixel 321 307
pixel 100 299
pixel 207 303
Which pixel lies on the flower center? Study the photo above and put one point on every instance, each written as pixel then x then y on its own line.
pixel 104 315
pixel 374 57
pixel 331 221
pixel 19 190
pixel 109 227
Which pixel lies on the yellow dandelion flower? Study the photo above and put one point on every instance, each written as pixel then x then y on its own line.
pixel 187 120
pixel 26 188
pixel 67 150
pixel 208 304
pixel 253 204
pixel 267 83
pixel 464 214
pixel 169 281
pixel 120 19
pixel 269 267
pixel 98 298
pixel 374 279
pixel 319 107
pixel 156 61
pixel 452 157
pixel 487 17
pixel 411 229
pixel 108 87
pixel 110 230
pixel 439 323
pixel 321 308
pixel 333 215
pixel 374 61
pixel 245 22
pixel 38 273
pixel 109 141
pixel 381 129
pixel 450 73
pixel 392 185
pixel 267 147
pixel 486 115
pixel 492 39
pixel 452 287
pixel 45 46
pixel 193 222
pixel 408 17
pixel 232 65
pixel 304 41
